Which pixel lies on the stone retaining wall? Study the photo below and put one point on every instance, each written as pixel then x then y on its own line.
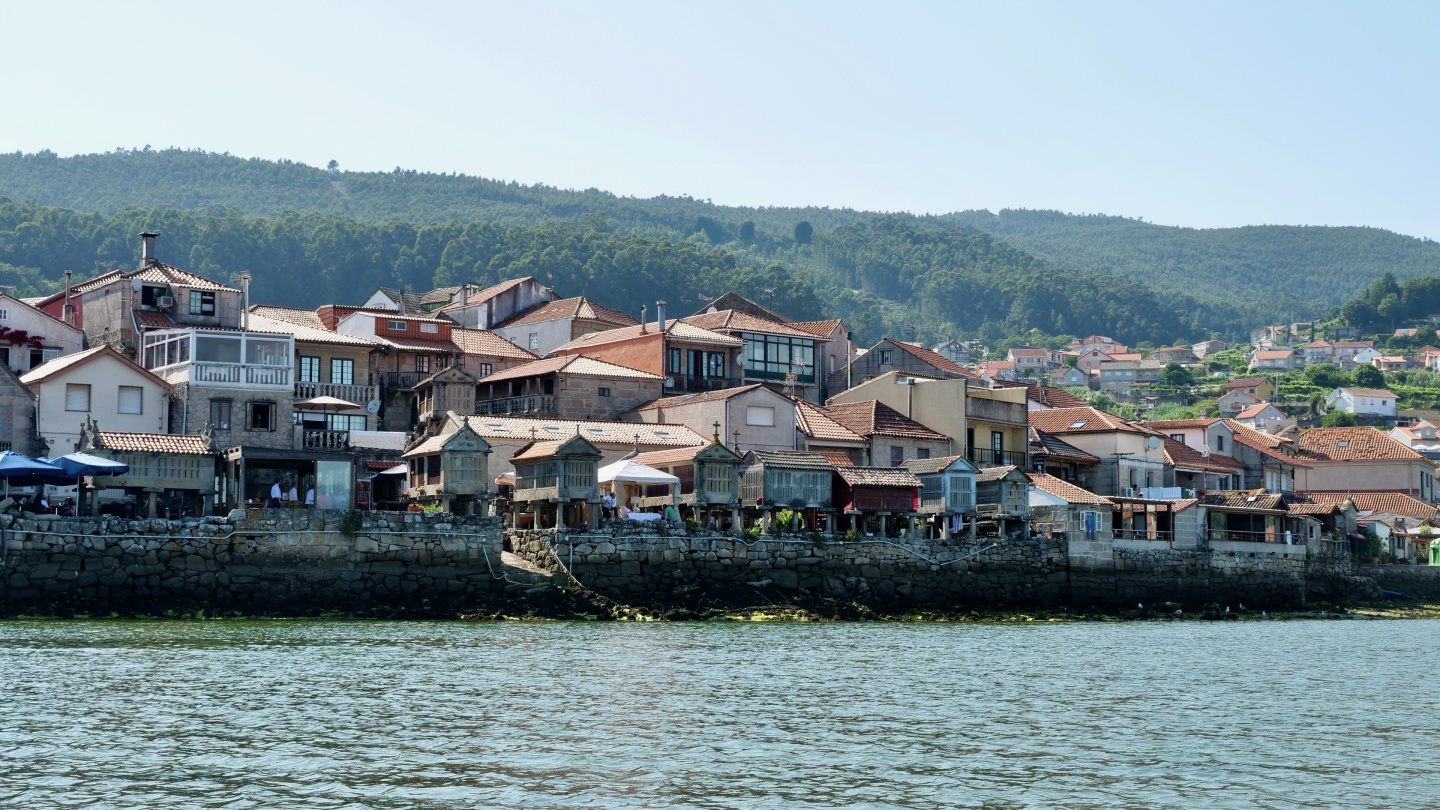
pixel 252 558
pixel 1419 581
pixel 630 560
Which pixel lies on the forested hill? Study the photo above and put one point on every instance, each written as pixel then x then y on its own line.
pixel 1325 264
pixel 1271 273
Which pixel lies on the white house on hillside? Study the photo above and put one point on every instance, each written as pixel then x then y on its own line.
pixel 1362 401
pixel 98 384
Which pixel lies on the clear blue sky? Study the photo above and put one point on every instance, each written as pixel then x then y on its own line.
pixel 1181 113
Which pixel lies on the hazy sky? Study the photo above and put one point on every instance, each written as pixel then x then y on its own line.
pixel 1181 113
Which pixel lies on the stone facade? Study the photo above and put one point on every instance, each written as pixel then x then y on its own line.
pixel 257 558
pixel 191 414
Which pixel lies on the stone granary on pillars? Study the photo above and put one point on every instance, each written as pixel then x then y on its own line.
pixel 172 475
pixel 562 474
pixel 1002 495
pixel 947 493
pixel 708 481
pixel 451 469
pixel 866 494
pixel 770 482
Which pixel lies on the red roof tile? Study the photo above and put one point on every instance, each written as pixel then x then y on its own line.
pixel 1066 490
pixel 1353 444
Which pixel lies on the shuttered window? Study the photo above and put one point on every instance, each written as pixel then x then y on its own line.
pixel 130 400
pixel 77 397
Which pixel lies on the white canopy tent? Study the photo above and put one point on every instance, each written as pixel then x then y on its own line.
pixel 634 472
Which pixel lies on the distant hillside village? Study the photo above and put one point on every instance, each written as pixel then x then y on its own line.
pixel 555 411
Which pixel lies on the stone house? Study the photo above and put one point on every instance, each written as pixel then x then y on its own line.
pixel 30 336
pixel 689 357
pixel 615 440
pixel 1206 348
pixel 1174 354
pixel 327 364
pixel 545 327
pixel 100 385
pixel 485 309
pixel 1272 463
pixel 751 417
pixel 776 354
pixel 1070 377
pixel 18 431
pixel 568 386
pixel 817 432
pixel 892 355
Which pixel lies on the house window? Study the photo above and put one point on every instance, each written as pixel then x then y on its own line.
pixel 1219 444
pixel 484 369
pixel 36 357
pixel 885 357
pixel 202 303
pixel 761 417
pixel 130 399
pixel 220 414
pixel 604 392
pixel 344 421
pixel 672 361
pixel 261 417
pixel 342 371
pixel 4 315
pixel 897 456
pixel 1179 437
pixel 430 328
pixel 77 397
pixel 442 362
pixel 771 357
pixel 923 452
pixel 533 342
pixel 422 363
pixel 5 355
pixel 397 326
pixel 309 369
pixel 997 444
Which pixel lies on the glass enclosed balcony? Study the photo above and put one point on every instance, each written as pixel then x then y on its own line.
pixel 220 359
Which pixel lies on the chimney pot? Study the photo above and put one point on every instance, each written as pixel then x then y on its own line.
pixel 660 316
pixel 147 248
pixel 642 319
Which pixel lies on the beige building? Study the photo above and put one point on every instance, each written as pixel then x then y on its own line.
pixel 98 384
pixel 750 417
pixel 1131 457
pixel 1362 459
pixel 572 387
pixel 327 364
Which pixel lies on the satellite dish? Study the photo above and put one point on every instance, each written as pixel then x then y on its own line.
pixel 134 285
pixel 1154 442
pixel 373 406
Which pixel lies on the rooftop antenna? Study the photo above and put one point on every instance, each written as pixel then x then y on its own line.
pixel 771 293
pixel 244 278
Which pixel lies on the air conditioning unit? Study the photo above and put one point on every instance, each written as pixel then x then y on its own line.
pixel 1127 492
pixel 165 301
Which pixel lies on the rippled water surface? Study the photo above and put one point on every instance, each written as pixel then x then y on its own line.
pixel 414 715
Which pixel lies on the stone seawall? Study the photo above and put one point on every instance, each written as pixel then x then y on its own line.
pixel 1419 581
pixel 629 561
pixel 257 558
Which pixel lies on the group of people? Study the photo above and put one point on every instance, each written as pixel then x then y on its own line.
pixel 279 493
pixel 609 508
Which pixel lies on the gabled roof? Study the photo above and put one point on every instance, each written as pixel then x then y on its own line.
pixel 737 321
pixel 153 319
pixel 623 433
pixel 816 423
pixel 304 324
pixel 1252 411
pixel 877 477
pixel 698 397
pixel 69 362
pixel 439 295
pixel 683 454
pixel 1373 393
pixel 1043 445
pixel 1263 443
pixel 1180 424
pixel 1353 444
pixel 1394 503
pixel 573 446
pixel 1052 397
pixel 580 308
pixel 822 329
pixel 835 457
pixel 674 330
pixel 791 460
pixel 1088 419
pixel 1355 344
pixel 933 358
pixel 1318 344
pixel 740 303
pixel 872 418
pixel 487 293
pixel 572 364
pixel 989 474
pixel 1179 454
pixel 1019 351
pixel 180 444
pixel 1245 382
pixel 1242 499
pixel 1274 354
pixel 483 342
pixel 928 466
pixel 1065 490
pixel 413 301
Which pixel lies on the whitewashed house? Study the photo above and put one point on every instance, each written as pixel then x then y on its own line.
pixel 1362 401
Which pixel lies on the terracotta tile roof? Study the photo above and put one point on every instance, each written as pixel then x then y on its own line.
pixel 152 319
pixel 734 320
pixel 537 450
pixel 185 444
pixel 740 303
pixel 1180 424
pixel 486 294
pixel 434 444
pixel 68 362
pixel 1274 354
pixel 623 433
pixel 816 423
pixel 1044 445
pixel 572 364
pixel 1394 503
pixel 1027 352
pixel 697 397
pixel 791 460
pixel 486 344
pixel 932 358
pixel 1303 508
pixel 1252 411
pixel 1081 420
pixel 877 477
pixel 304 324
pixel 925 466
pixel 1064 489
pixel 1355 344
pixel 1263 443
pixel 439 295
pixel 1179 454
pixel 1125 357
pixel 581 307
pixel 674 330
pixel 1053 397
pixel 835 457
pixel 822 329
pixel 379 466
pixel 1245 382
pixel 158 273
pixel 872 418
pixel 1373 393
pixel 1242 499
pixel 1352 444
pixel 1318 344
pixel 677 456
pixel 989 474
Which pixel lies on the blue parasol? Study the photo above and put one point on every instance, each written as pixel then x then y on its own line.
pixel 23 471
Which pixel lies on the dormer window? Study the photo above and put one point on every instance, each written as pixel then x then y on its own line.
pixel 397 326
pixel 1343 443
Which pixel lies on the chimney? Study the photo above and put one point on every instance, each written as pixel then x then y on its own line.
pixel 147 249
pixel 660 316
pixel 642 319
pixel 400 305
pixel 68 313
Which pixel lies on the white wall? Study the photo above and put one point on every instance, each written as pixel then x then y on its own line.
pixel 550 335
pixel 18 315
pixel 104 375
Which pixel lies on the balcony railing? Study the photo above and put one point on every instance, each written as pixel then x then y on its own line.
pixel 684 382
pixel 359 394
pixel 1143 534
pixel 985 457
pixel 512 406
pixel 228 375
pixel 400 379
pixel 1245 537
pixel 326 440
